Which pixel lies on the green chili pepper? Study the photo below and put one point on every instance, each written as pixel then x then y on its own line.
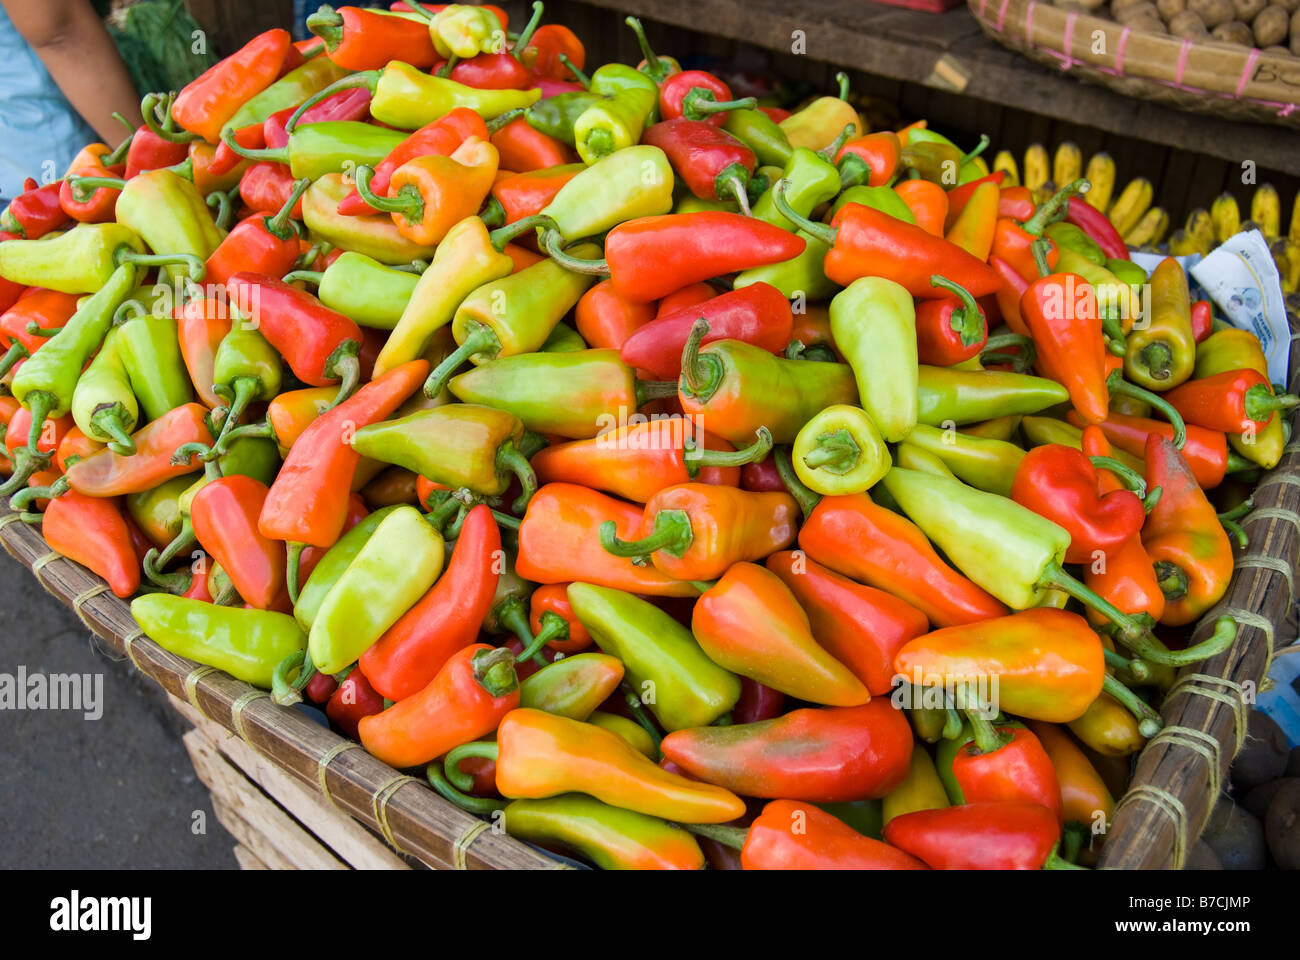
pixel 246 369
pixel 79 261
pixel 873 321
pixel 1068 235
pixel 332 146
pixel 157 512
pixel 665 665
pixel 688 202
pixel 948 396
pixel 171 216
pixel 572 687
pixel 811 181
pixel 761 134
pixel 883 199
pixel 1127 271
pixel 983 462
pixel 801 275
pixel 287 92
pixel 634 182
pixel 563 339
pixel 151 355
pixel 360 287
pixel 555 116
pixel 331 566
pixel 247 644
pixel 392 570
pixel 104 406
pixel 616 122
pixel 610 837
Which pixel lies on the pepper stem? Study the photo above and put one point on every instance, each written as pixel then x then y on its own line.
pixel 15 353
pixel 118 153
pixel 647 390
pixel 835 452
pixel 642 716
pixel 476 748
pixel 1129 629
pixel 83 188
pixel 1149 722
pixel 1049 210
pixel 701 373
pixel 700 102
pixel 819 230
pixel 196 267
pixel 654 68
pixel 1130 477
pixel 671 533
pixel 164 128
pixel 510 459
pixel 479 806
pixel 733 837
pixel 806 499
pixel 111 421
pixel 1137 669
pixel 551 242
pixel 988 739
pixel 1116 341
pixel 697 456
pixel 494 671
pixel 1055 862
pixel 977 149
pixel 271 154
pixel 366 78
pixel 278 225
pixel 327 23
pixel 34 329
pixel 503 235
pixel 1261 403
pixel 829 151
pixel 736 187
pixel 1040 249
pixel 255 430
pixel 220 200
pixel 482 339
pixel 578 75
pixel 294 559
pixel 409 205
pixel 853 171
pixel 521 41
pixel 28 495
pixel 287 692
pixel 447 67
pixel 307 276
pixel 1116 383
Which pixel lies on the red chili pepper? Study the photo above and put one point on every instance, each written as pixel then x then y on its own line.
pixel 351 104
pixel 697 95
pixel 542 53
pixel 490 71
pixel 1014 240
pixel 554 598
pixel 100 206
pixel 758 314
pixel 357 511
pixel 1202 319
pixel 48 309
pixel 358 38
pixel 860 626
pixel 9 291
pixel 1206 451
pixel 761 477
pixel 522 149
pixel 207 102
pixel 93 531
pixel 265 187
pixel 260 244
pixel 319 688
pixel 1011 287
pixel 224 513
pixel 110 474
pixel 525 194
pixel 757 702
pixel 52 431
pixel 872 159
pixel 36 211
pixel 440 138
pixel 353 701
pixel 1010 764
pixel 1098 226
pixel 687 296
pixel 789 835
pixel 950 330
pixel 1060 311
pixel 1016 203
pixel 958 197
pixel 446 619
pixel 75 446
pixel 320 345
pixel 1061 484
pixel 1234 401
pixel 148 151
pixel 980 836
pixel 711 162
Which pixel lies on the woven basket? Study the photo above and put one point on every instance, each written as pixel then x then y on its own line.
pixel 1176 777
pixel 1207 77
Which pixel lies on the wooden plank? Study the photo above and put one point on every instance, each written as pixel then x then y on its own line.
pixel 348 840
pixel 255 841
pixel 247 859
pixel 254 808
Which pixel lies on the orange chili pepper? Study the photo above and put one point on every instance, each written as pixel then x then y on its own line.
pixel 521 257
pixel 973 228
pixel 558 543
pixel 109 474
pixel 1206 451
pixel 1013 240
pixel 293 411
pixel 694 531
pixel 208 101
pixel 554 598
pixel 1108 728
pixel 877 152
pixel 524 194
pixel 751 624
pixel 75 446
pixel 687 296
pixel 431 194
pixel 201 325
pixel 93 531
pixel 1060 311
pixel 605 318
pixel 467 698
pixel 1084 795
pixel 523 149
pixel 928 203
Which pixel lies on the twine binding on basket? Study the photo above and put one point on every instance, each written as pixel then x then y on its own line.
pixel 379 806
pixel 322 765
pixel 1188 685
pixel 237 712
pixel 1170 806
pixel 461 847
pixel 192 686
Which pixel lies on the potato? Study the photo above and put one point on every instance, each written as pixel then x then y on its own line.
pixel 1170 8
pixel 1146 25
pixel 1118 7
pixel 1137 11
pixel 1188 24
pixel 1213 12
pixel 1247 10
pixel 1288 4
pixel 1234 31
pixel 1271 26
pixel 1278 51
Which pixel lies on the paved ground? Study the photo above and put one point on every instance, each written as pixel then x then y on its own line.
pixel 112 793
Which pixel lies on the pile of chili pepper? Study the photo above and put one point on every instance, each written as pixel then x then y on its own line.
pixel 686 480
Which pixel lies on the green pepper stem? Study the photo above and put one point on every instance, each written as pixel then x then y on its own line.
pixel 408 203
pixel 1239 464
pixel 1149 722
pixel 835 452
pixel 968 320
pixel 1048 212
pixel 521 41
pixel 829 151
pixel 672 533
pixel 476 748
pixel 83 188
pixel 642 716
pixel 327 23
pixel 28 495
pixel 155 562
pixel 1137 669
pixel 492 214
pixel 196 266
pixel 554 627
pixel 494 671
pixel 1239 511
pixel 114 422
pixel 806 499
pixel 293 561
pixel 165 128
pixel 254 430
pixel 1040 248
pixel 447 67
pixel 1261 403
pixel 15 353
pixel 578 75
pixel 736 187
pixel 697 456
pixel 654 68
pixel 119 153
pixel 853 171
pixel 1116 342
pixel 819 230
pixel 1157 358
pixel 977 149
pixel 279 226
pixel 1236 532
pixel 345 364
pixel 287 692
pixel 988 739
pixel 510 459
pixel 307 276
pixel 1130 477
pixel 842 79
pixel 34 329
pixel 366 78
pixel 702 373
pixel 39 404
pixel 246 390
pixel 187 451
pixel 441 511
pixel 733 837
pixel 1129 629
pixel 1116 383
pixel 503 235
pixel 700 103
pixel 1055 862
pixel 551 242
pixel 221 201
pixel 479 806
pixel 505 520
pixel 271 154
pixel 1024 360
pixel 481 339
pixel 952 724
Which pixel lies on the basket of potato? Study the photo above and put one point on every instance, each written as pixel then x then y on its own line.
pixel 1234 58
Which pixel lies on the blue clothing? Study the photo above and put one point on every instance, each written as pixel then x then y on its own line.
pixel 40 132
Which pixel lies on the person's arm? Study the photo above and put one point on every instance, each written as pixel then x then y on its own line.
pixel 80 55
